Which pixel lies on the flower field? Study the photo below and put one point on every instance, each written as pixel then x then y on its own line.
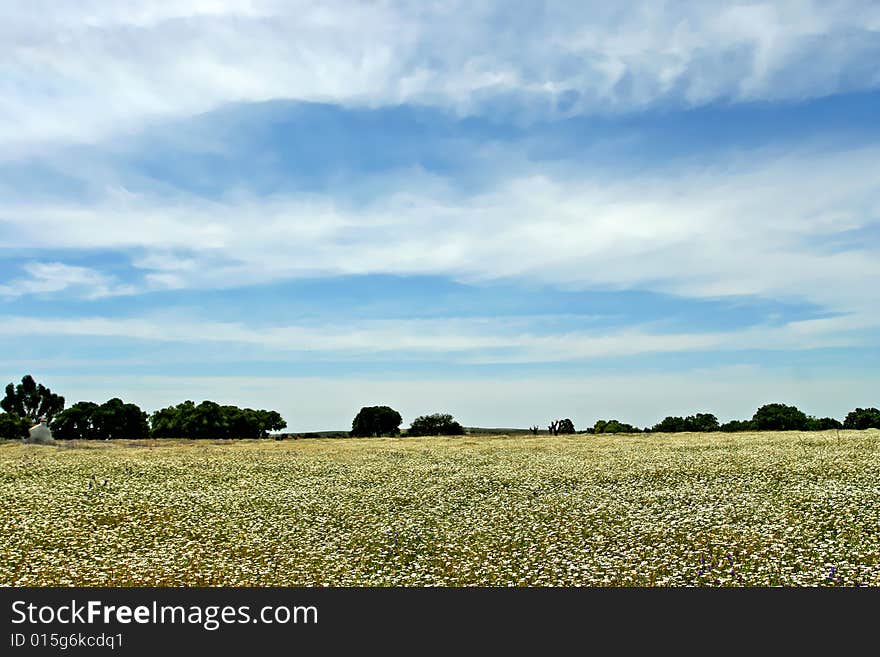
pixel 684 509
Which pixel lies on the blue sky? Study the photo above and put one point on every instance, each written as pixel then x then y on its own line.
pixel 512 216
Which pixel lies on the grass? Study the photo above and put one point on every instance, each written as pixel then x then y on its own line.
pixel 683 509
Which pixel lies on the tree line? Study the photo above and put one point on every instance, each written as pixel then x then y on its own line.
pixel 769 417
pixel 24 404
pixel 385 421
pixel 373 421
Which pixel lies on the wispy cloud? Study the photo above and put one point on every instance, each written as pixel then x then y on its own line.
pixel 472 340
pixel 52 277
pixel 131 223
pixel 754 226
pixel 77 72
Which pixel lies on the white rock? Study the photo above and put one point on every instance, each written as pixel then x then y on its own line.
pixel 40 433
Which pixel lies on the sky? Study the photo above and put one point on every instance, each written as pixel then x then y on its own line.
pixel 508 212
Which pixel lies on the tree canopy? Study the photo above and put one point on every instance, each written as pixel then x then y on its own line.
pixel 565 426
pixel 31 400
pixel 13 427
pixel 701 422
pixel 112 419
pixel 438 424
pixel 613 426
pixel 823 424
pixel 376 421
pixel 211 420
pixel 779 417
pixel 737 425
pixel 862 418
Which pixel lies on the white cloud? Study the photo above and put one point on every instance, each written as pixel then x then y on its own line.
pixel 472 340
pixel 52 277
pixel 762 226
pixel 82 70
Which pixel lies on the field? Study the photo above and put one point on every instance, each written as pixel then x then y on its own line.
pixel 684 509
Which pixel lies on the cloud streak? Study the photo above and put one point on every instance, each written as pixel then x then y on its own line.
pixel 80 74
pixel 771 225
pixel 472 340
pixel 53 277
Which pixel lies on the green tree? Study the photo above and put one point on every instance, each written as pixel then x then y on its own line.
pixel 862 418
pixel 31 400
pixel 13 427
pixel 376 421
pixel 438 424
pixel 169 422
pixel 701 422
pixel 211 420
pixel 76 422
pixel 250 423
pixel 566 426
pixel 205 421
pixel 823 424
pixel 670 424
pixel 89 421
pixel 267 421
pixel 116 419
pixel 779 417
pixel 737 425
pixel 613 426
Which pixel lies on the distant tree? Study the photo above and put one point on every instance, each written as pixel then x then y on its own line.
pixel 737 425
pixel 614 426
pixel 823 424
pixel 376 421
pixel 205 421
pixel 211 420
pixel 566 426
pixel 76 422
pixel 169 422
pixel 862 418
pixel 557 427
pixel 31 400
pixel 670 424
pixel 13 427
pixel 779 417
pixel 438 424
pixel 701 422
pixel 266 421
pixel 534 430
pixel 116 419
pixel 89 421
pixel 704 422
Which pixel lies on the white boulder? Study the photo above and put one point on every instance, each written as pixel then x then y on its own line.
pixel 40 434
